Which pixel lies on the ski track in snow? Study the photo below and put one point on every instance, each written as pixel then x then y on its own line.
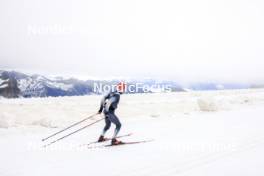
pixel 167 168
pixel 195 133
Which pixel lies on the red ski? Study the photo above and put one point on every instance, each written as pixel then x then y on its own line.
pixel 123 143
pixel 126 143
pixel 107 139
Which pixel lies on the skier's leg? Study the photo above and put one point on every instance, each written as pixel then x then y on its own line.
pixel 107 126
pixel 114 119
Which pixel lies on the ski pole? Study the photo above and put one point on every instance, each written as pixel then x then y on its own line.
pixel 74 132
pixel 69 127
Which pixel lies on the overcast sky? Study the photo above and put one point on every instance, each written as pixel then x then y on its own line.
pixel 188 39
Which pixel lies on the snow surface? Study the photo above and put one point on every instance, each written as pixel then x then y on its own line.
pixel 3 86
pixel 195 133
pixel 30 84
pixel 3 83
pixel 61 86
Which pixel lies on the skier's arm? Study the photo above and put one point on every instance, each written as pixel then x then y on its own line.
pixel 102 103
pixel 112 103
pixel 109 104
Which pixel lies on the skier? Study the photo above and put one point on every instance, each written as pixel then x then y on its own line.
pixel 108 106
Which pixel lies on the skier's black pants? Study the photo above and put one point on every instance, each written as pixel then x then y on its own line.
pixel 112 118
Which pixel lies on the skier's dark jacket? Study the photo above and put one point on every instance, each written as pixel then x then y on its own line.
pixel 109 102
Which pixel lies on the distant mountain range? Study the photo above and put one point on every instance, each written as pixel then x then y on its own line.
pixel 16 84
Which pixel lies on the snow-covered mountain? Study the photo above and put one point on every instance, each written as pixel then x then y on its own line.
pixel 8 85
pixel 40 86
pixel 15 84
pixel 25 85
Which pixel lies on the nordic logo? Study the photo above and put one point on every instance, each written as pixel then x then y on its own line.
pixel 133 88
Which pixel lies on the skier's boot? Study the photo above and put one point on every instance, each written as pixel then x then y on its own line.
pixel 116 142
pixel 102 139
